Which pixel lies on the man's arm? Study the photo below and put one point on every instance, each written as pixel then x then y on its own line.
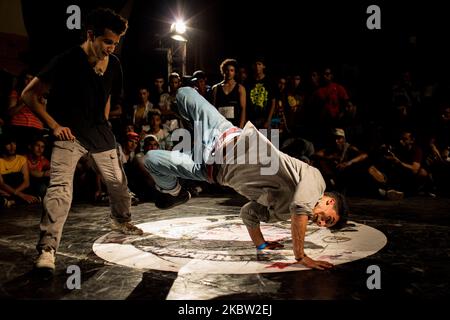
pixel 298 231
pixel 361 156
pixel 414 167
pixel 307 193
pixel 33 95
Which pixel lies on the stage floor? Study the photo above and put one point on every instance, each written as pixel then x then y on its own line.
pixel 413 263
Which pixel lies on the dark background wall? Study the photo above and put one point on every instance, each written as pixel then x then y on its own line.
pixel 290 34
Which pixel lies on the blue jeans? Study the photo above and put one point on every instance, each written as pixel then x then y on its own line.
pixel 167 166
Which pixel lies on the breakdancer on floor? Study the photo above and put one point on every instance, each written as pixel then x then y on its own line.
pixel 278 186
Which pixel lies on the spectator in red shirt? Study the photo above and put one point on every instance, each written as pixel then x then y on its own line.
pixel 39 167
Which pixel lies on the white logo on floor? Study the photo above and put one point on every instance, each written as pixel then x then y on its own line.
pixel 221 245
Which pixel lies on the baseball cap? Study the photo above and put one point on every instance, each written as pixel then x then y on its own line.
pixel 199 74
pixel 151 136
pixel 133 136
pixel 339 132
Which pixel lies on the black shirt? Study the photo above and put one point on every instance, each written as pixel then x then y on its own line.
pixel 78 97
pixel 260 95
pixel 230 100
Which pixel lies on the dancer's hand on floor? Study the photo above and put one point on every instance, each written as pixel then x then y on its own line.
pixel 315 264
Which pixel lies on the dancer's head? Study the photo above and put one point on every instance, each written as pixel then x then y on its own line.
pixel 104 29
pixel 331 211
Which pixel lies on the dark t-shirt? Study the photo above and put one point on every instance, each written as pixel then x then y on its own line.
pixel 260 95
pixel 410 156
pixel 229 105
pixel 78 97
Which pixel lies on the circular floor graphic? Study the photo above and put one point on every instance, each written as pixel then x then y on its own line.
pixel 221 245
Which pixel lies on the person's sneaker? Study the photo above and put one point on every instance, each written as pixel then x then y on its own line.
pixel 8 203
pixel 46 260
pixel 431 194
pixel 382 192
pixel 167 201
pixel 126 228
pixel 394 194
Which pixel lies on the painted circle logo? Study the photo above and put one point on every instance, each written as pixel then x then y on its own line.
pixel 221 245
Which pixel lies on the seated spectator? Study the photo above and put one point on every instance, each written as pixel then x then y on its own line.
pixel 14 174
pixel 341 163
pixel 150 143
pixel 399 169
pixel 39 168
pixel 127 154
pixel 128 148
pixel 156 129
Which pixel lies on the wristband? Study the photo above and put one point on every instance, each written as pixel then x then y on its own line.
pixel 262 246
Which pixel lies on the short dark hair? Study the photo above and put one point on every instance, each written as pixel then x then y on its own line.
pixel 100 19
pixel 228 62
pixel 341 208
pixel 152 113
pixel 174 75
pixel 259 59
pixel 38 138
pixel 5 139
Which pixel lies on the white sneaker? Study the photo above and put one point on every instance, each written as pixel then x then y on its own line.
pixel 46 260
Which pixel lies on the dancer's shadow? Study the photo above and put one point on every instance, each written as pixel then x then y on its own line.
pixel 155 285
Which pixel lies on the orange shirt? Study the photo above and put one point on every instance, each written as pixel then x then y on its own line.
pixel 13 165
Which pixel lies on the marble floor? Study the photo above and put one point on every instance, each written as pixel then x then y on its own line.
pixel 414 262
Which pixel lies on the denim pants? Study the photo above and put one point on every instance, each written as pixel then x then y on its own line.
pixel 167 166
pixel 57 201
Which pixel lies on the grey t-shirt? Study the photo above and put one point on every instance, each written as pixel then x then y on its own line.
pixel 295 187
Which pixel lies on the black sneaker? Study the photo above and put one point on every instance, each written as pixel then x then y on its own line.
pixel 167 201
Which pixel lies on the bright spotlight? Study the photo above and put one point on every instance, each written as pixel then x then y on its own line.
pixel 180 27
pixel 177 29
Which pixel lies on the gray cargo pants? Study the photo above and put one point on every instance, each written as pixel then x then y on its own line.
pixel 57 201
